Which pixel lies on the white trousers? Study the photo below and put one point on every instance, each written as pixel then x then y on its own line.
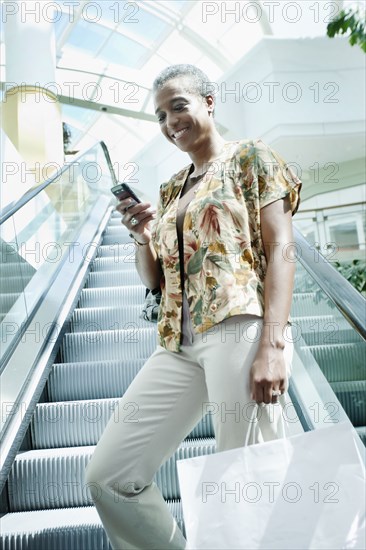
pixel 164 402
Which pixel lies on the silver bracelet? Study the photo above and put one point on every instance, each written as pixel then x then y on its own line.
pixel 138 244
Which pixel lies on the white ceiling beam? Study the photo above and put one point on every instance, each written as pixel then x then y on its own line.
pixel 264 21
pixel 105 108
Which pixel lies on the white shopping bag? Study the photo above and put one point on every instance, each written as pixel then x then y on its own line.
pixel 301 492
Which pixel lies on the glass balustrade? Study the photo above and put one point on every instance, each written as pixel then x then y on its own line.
pixel 329 367
pixel 33 240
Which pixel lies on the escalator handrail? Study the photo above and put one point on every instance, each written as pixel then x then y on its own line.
pixel 346 298
pixel 12 208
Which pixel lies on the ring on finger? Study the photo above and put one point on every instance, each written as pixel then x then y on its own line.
pixel 134 221
pixel 276 393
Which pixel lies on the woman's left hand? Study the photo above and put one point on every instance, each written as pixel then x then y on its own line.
pixel 267 374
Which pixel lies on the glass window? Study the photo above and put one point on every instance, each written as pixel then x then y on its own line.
pixel 143 25
pixel 123 50
pixel 345 235
pixel 88 37
pixel 61 24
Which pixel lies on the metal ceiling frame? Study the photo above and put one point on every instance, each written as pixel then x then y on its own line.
pixel 105 108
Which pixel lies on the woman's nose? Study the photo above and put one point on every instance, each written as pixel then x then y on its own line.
pixel 172 120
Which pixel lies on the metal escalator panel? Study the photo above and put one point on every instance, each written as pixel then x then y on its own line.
pixel 328 329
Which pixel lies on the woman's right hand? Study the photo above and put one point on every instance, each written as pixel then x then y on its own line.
pixel 142 212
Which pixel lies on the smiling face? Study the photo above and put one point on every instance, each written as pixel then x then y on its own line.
pixel 185 117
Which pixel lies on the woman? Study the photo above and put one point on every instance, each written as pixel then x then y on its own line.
pixel 220 248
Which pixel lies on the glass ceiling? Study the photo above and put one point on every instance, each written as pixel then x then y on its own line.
pixel 109 52
pixel 114 60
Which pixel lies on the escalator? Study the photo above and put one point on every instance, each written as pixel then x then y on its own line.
pixel 101 342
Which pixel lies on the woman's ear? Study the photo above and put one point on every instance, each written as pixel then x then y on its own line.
pixel 210 104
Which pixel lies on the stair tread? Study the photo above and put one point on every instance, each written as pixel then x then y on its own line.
pixel 35 520
pixel 58 518
pixel 39 454
pixel 359 385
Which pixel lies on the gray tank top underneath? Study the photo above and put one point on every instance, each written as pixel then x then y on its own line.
pixel 187 329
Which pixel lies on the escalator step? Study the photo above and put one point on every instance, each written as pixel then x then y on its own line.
pixel 303 281
pixel 116 226
pixel 115 215
pixel 62 528
pixel 108 345
pixel 107 318
pixel 305 303
pixel 117 297
pixel 55 478
pixel 341 362
pixel 114 264
pixel 116 238
pixel 75 423
pixel 116 223
pixel 92 380
pixel 323 330
pixel 111 278
pixel 123 252
pixel 21 268
pixel 7 300
pixel 116 229
pixel 352 396
pixel 14 284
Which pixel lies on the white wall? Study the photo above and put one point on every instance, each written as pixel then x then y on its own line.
pixel 325 125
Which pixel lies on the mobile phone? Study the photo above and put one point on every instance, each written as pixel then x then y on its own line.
pixel 122 191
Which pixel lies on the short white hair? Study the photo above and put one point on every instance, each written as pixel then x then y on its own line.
pixel 199 81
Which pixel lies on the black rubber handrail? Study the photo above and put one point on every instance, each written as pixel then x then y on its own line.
pixel 12 208
pixel 345 297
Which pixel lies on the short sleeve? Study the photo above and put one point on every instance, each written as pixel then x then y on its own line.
pixel 276 180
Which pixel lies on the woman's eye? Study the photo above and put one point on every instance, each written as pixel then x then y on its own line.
pixel 179 107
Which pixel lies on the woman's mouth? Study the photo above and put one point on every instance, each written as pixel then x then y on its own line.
pixel 177 135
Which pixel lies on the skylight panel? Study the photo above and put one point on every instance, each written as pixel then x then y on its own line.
pixel 144 25
pixel 61 24
pixel 118 11
pixel 88 37
pixel 120 49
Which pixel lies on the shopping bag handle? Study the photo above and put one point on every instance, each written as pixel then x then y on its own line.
pixel 283 425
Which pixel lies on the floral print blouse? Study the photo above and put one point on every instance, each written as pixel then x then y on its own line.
pixel 224 259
